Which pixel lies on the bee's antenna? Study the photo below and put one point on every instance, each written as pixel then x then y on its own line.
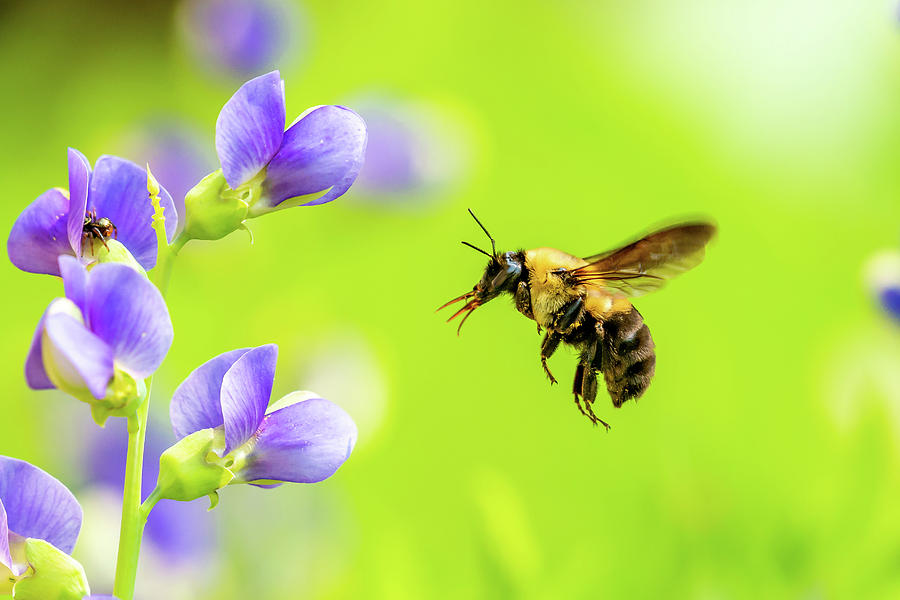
pixel 493 243
pixel 477 248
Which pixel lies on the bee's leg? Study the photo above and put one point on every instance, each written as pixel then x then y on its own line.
pixel 548 347
pixel 589 392
pixel 589 378
pixel 588 382
pixel 570 315
pixel 576 388
pixel 523 300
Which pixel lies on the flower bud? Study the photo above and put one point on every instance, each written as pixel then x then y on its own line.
pixel 52 574
pixel 123 396
pixel 192 469
pixel 115 252
pixel 214 209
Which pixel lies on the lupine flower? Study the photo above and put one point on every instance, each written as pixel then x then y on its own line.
pixel 266 168
pixel 320 153
pixel 110 331
pixel 39 520
pixel 298 439
pixel 241 37
pixel 55 223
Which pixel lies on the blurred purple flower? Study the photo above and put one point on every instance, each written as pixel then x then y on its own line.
pixel 414 148
pixel 890 300
pixel 241 37
pixel 177 153
pixel 53 225
pixel 180 531
pixel 33 504
pixel 322 151
pixel 298 439
pixel 391 154
pixel 111 319
pixel 883 276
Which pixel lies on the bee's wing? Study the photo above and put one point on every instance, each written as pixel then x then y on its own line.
pixel 644 265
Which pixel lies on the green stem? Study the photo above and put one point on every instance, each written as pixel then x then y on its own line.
pixel 165 259
pixel 133 517
pixel 134 514
pixel 154 497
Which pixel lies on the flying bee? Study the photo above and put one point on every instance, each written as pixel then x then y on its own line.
pixel 585 303
pixel 94 228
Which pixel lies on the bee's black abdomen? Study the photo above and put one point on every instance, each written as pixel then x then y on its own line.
pixel 626 355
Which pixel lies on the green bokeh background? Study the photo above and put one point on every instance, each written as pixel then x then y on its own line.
pixel 762 462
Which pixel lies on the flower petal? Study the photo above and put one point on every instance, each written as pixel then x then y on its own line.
pixel 74 276
pixel 5 556
pixel 246 389
pixel 196 403
pixel 79 180
pixel 250 128
pixel 39 235
pixel 127 312
pixel 35 375
pixel 37 505
pixel 119 193
pixel 304 442
pixel 76 358
pixel 323 150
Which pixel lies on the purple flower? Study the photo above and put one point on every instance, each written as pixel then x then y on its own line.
pixel 54 224
pixel 35 505
pixel 298 439
pixel 112 325
pixel 320 154
pixel 242 37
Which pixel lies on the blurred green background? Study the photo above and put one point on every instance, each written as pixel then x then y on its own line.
pixel 762 462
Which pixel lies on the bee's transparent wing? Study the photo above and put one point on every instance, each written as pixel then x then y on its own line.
pixel 644 265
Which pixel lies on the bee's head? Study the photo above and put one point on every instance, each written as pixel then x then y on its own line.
pixel 502 274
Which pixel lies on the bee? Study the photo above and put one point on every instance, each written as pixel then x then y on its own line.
pixel 94 228
pixel 585 303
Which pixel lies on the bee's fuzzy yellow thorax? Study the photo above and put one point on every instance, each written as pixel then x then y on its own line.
pixel 548 291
